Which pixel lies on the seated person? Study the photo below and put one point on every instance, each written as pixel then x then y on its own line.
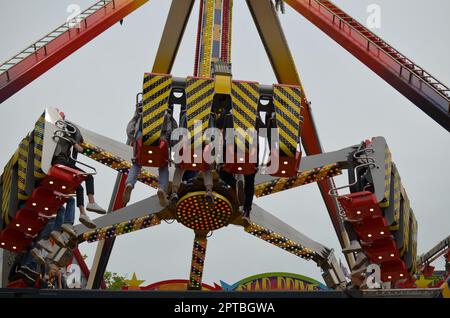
pixel 179 176
pixel 134 133
pixel 41 245
pixel 63 156
pixel 249 179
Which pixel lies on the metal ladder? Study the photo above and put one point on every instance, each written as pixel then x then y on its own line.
pixel 373 39
pixel 44 41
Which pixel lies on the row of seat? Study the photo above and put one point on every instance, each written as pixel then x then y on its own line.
pixel 244 98
pixel 28 195
pixel 386 230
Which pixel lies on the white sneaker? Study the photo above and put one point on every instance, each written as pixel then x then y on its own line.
pixel 86 221
pixel 45 245
pixel 94 207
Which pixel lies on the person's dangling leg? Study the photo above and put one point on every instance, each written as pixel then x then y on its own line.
pixel 69 217
pixel 163 184
pixel 176 182
pixel 84 218
pixel 92 205
pixel 249 190
pixel 132 177
pixel 208 182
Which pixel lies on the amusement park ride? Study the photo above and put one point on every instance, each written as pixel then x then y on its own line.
pixel 373 220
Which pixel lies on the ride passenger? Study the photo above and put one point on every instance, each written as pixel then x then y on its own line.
pixel 66 153
pixel 134 133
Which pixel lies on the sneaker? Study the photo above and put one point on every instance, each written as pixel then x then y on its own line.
pixel 127 194
pixel 173 201
pixel 57 238
pixel 162 198
pixel 45 245
pixel 94 207
pixel 68 228
pixel 86 221
pixel 209 199
pixel 37 256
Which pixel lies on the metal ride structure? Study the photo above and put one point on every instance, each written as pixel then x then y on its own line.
pixel 373 221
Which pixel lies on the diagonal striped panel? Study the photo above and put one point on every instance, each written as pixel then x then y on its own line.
pixel 412 248
pixel 38 146
pixel 280 241
pixel 7 182
pixel 22 172
pixel 302 178
pixel 387 179
pixel 199 98
pixel 198 262
pixel 287 104
pixel 397 194
pixel 244 100
pixel 404 223
pixel 119 164
pixel 155 101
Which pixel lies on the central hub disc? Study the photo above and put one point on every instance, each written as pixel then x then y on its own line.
pixel 194 211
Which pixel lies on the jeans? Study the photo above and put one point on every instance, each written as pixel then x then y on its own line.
pixel 249 186
pixel 179 176
pixel 67 216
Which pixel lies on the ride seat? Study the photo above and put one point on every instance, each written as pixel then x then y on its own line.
pixel 360 205
pixel 14 240
pixel 45 201
pixel 393 271
pixel 63 179
pixel 372 229
pixel 28 221
pixel 152 156
pixel 287 166
pixel 381 251
pixel 241 165
pixel 196 163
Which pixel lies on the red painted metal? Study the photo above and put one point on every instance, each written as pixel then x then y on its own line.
pixel 225 31
pixel 425 91
pixel 60 45
pixel 152 156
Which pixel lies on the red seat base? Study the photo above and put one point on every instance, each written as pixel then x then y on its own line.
pixel 372 229
pixel 360 205
pixel 63 179
pixel 287 166
pixel 13 240
pixel 28 221
pixel 44 201
pixel 152 156
pixel 381 251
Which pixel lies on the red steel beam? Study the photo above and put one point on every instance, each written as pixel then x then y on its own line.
pixel 58 48
pixel 421 88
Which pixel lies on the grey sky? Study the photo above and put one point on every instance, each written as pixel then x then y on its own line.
pixel 96 87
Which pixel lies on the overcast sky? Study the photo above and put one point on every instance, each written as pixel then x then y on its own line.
pixel 96 88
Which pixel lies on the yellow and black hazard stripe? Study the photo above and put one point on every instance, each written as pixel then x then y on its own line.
pixel 198 260
pixel 397 197
pixel 412 242
pixel 302 178
pixel 22 171
pixel 287 104
pixel 244 99
pixel 7 183
pixel 406 210
pixel 387 177
pixel 279 241
pixel 199 98
pixel 155 101
pixel 38 136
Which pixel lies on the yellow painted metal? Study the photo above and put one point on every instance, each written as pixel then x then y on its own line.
pixel 38 136
pixel 7 184
pixel 222 84
pixel 155 101
pixel 205 65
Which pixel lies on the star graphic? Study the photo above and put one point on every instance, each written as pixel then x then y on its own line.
pixel 423 282
pixel 133 283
